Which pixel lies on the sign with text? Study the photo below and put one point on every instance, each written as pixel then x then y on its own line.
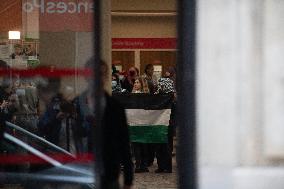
pixel 62 15
pixel 144 43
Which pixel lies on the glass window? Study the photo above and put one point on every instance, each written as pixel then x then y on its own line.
pixel 45 79
pixel 47 94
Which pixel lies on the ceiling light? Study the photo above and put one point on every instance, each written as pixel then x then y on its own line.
pixel 14 35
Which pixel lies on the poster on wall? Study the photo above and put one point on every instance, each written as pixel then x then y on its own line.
pixel 4 52
pixel 20 54
pixel 25 55
pixel 18 58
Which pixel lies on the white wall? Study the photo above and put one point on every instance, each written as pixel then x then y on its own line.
pixel 240 94
pixel 217 82
pixel 273 44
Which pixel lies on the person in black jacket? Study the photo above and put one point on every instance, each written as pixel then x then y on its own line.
pixel 5 92
pixel 8 103
pixel 128 82
pixel 116 145
pixel 56 122
pixel 115 137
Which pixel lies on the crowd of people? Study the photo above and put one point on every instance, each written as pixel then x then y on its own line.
pixel 132 82
pixel 18 100
pixel 148 83
pixel 40 108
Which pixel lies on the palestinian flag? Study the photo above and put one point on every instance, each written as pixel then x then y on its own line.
pixel 148 116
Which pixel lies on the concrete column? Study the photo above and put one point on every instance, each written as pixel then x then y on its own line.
pixel 30 21
pixel 261 115
pixel 250 61
pixel 217 67
pixel 240 94
pixel 273 48
pixel 137 61
pixel 261 136
pixel 217 92
pixel 84 47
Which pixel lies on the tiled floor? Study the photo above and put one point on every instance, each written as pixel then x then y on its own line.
pixel 153 180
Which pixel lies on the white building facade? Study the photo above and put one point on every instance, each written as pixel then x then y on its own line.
pixel 240 45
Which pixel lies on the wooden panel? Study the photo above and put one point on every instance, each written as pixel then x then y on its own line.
pixel 144 27
pixel 124 58
pixel 10 15
pixel 144 5
pixel 164 58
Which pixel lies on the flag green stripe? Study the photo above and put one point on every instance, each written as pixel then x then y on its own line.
pixel 149 133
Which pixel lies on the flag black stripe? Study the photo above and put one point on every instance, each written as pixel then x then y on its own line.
pixel 145 101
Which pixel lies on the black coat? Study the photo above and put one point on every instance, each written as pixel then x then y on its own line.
pixel 116 144
pixel 115 138
pixel 4 114
pixel 127 85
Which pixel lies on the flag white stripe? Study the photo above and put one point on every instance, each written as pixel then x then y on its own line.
pixel 136 117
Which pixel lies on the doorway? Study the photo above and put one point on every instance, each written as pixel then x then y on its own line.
pixel 160 59
pixel 123 60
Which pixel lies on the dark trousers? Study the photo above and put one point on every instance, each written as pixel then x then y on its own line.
pixel 171 136
pixel 172 126
pixel 110 184
pixel 151 153
pixel 140 154
pixel 164 156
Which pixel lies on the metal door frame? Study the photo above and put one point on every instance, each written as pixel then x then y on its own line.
pixel 186 104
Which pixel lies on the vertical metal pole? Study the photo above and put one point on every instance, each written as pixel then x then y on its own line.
pixel 97 91
pixel 186 108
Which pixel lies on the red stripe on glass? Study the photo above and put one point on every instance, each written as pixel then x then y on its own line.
pixel 46 72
